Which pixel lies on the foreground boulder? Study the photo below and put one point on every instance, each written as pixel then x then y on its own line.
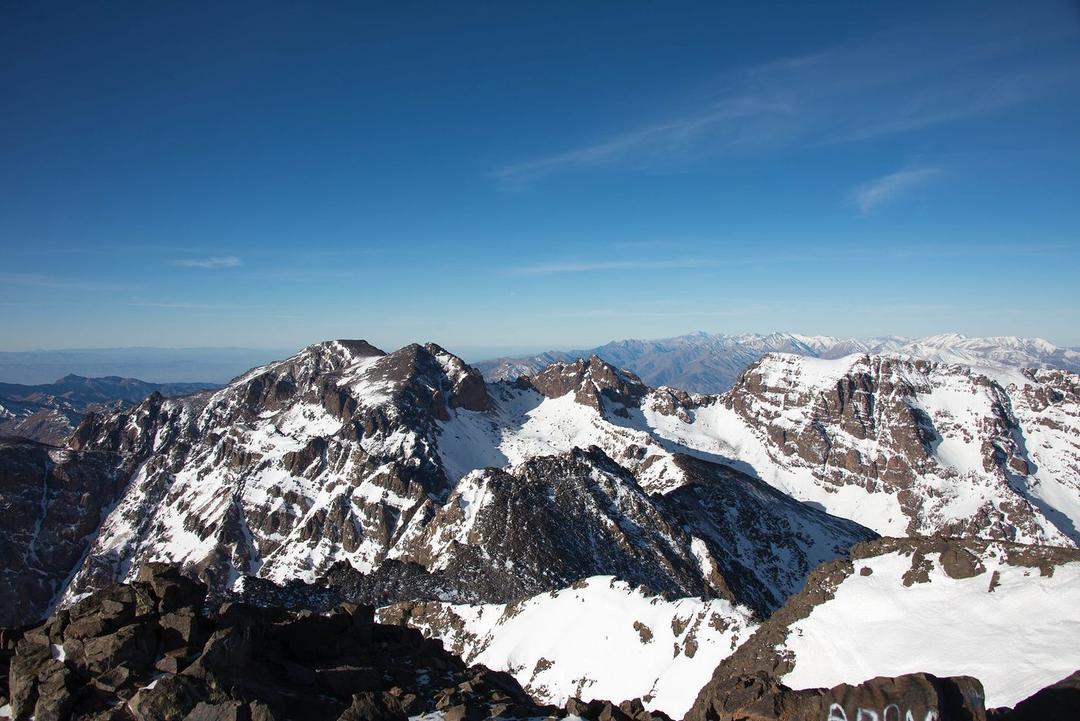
pixel 149 651
pixel 911 697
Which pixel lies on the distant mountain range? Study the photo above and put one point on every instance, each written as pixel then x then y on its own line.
pixel 710 363
pixel 48 412
pixel 155 365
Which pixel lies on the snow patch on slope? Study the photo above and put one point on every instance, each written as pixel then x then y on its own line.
pixel 877 626
pixel 601 639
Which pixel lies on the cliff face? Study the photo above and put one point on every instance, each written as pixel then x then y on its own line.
pixel 52 501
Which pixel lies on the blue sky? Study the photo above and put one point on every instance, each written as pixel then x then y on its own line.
pixel 504 176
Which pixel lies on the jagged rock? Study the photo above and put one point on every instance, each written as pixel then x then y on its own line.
pixel 52 501
pixel 227 711
pixel 369 706
pixel 601 710
pixel 171 589
pixel 592 382
pixel 762 698
pixel 167 698
pixel 255 664
pixel 29 661
pixel 589 710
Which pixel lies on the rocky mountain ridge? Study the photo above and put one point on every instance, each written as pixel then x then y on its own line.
pixel 151 651
pixel 344 453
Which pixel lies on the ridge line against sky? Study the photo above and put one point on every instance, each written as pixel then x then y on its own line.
pixel 271 176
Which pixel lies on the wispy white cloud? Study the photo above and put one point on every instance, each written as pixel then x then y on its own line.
pixel 607 265
pixel 184 306
pixel 213 263
pixel 219 310
pixel 903 81
pixel 673 136
pixel 641 244
pixel 884 190
pixel 879 191
pixel 35 280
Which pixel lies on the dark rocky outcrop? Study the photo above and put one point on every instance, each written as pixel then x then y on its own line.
pixel 150 651
pixel 764 543
pixel 52 501
pixel 599 710
pixel 919 696
pixel 552 521
pixel 593 382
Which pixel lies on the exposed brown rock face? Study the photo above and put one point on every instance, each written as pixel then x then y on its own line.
pixel 763 544
pixel 887 424
pixel 52 501
pixel 592 382
pixel 149 651
pixel 631 710
pixel 920 697
pixel 552 521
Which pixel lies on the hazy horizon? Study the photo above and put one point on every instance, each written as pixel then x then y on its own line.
pixel 221 364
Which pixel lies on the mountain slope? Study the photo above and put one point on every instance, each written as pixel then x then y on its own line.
pixel 901 446
pixel 945 607
pixel 551 521
pixel 318 458
pixel 52 501
pixel 601 638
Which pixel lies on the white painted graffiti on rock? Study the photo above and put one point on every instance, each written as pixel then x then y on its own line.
pixel 892 712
